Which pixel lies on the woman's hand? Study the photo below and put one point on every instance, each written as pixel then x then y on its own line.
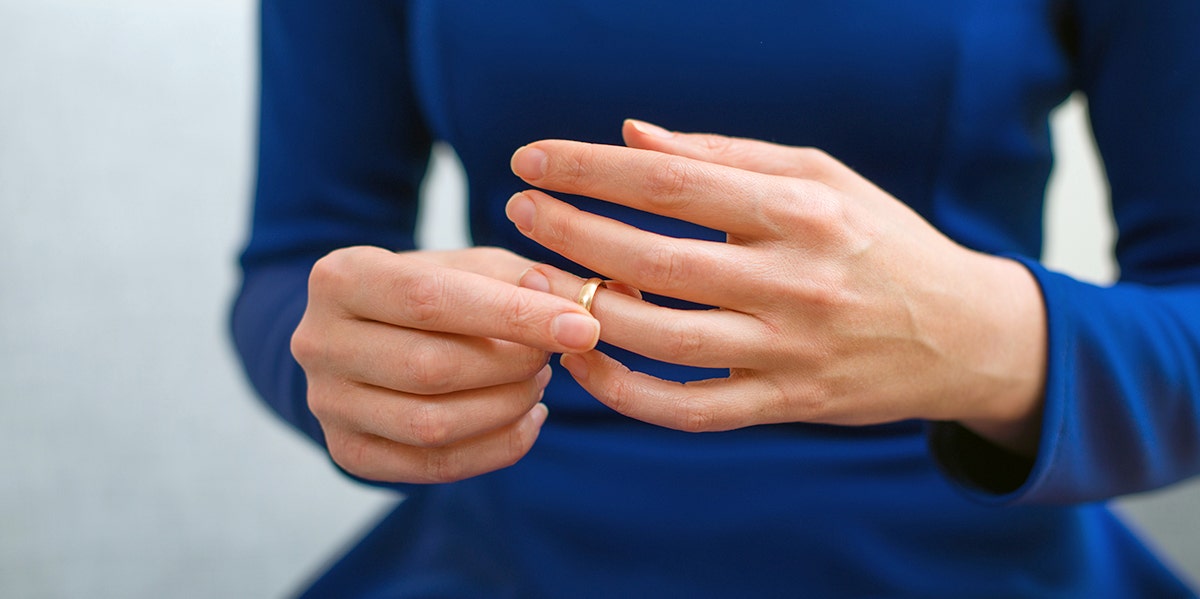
pixel 429 367
pixel 837 303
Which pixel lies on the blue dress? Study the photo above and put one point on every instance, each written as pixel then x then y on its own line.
pixel 943 103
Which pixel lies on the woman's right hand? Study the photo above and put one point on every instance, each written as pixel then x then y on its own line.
pixel 428 367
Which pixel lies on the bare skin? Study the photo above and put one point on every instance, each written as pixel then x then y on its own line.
pixel 429 367
pixel 836 302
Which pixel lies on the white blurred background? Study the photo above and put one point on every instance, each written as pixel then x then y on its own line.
pixel 134 460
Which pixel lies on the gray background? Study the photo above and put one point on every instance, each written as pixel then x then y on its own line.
pixel 134 461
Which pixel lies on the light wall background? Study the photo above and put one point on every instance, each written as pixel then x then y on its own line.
pixel 134 461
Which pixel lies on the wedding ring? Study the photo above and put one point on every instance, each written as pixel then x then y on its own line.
pixel 587 293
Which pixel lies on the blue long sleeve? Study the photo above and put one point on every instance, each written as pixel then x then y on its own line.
pixel 1122 399
pixel 342 150
pixel 943 103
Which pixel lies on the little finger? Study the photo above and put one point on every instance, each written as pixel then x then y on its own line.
pixel 376 458
pixel 425 421
pixel 695 406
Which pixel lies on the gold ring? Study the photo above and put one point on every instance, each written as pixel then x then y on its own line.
pixel 587 293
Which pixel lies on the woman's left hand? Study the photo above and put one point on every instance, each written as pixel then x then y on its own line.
pixel 836 303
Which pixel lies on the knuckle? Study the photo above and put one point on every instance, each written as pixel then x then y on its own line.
pixel 322 404
pixel 445 466
pixel 350 451
pixel 520 314
pixel 573 166
pixel 529 362
pixel 305 345
pixel 426 371
pixel 662 265
pixel 828 290
pixel 814 155
pixel 815 402
pixel 520 362
pixel 806 401
pixel 557 228
pixel 330 266
pixel 818 164
pixel 827 210
pixel 695 415
pixel 518 309
pixel 619 395
pixel 668 181
pixel 717 144
pixel 683 341
pixel 332 273
pixel 815 208
pixel 421 298
pixel 429 427
pixel 519 442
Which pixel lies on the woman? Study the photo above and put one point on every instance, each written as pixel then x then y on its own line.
pixel 907 403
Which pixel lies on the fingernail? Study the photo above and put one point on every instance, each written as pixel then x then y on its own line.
pixel 576 365
pixel 539 412
pixel 532 279
pixel 651 130
pixel 529 163
pixel 520 211
pixel 575 331
pixel 543 377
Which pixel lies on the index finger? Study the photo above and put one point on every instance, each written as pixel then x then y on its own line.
pixel 725 198
pixel 383 287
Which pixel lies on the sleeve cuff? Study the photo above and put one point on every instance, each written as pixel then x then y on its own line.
pixel 991 475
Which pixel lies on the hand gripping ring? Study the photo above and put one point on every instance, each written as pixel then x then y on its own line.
pixel 587 293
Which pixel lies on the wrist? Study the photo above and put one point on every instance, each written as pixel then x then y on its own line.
pixel 1009 357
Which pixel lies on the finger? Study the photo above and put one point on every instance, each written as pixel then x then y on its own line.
pixel 742 203
pixel 376 458
pixel 429 422
pixel 696 406
pixel 699 271
pixel 704 338
pixel 427 363
pixel 748 154
pixel 494 262
pixel 374 284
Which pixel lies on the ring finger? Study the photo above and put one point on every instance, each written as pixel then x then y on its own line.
pixel 702 338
